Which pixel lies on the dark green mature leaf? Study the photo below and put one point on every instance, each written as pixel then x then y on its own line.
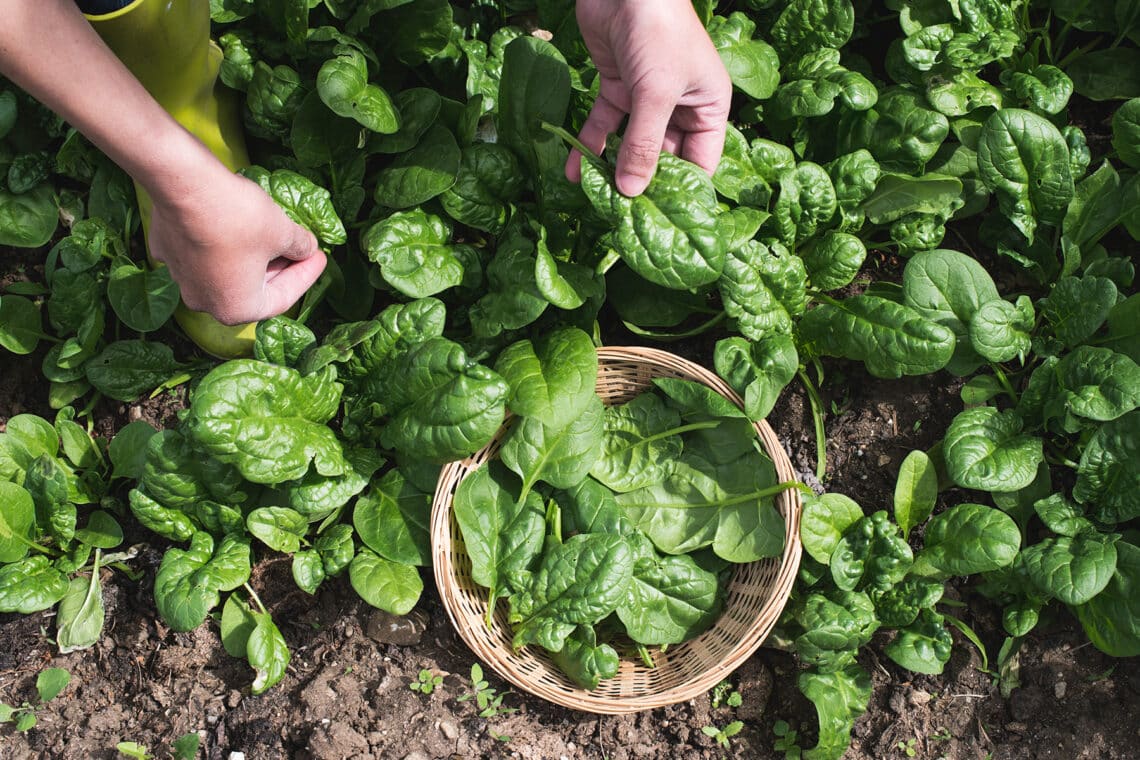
pixel 871 554
pixel 668 234
pixel 502 534
pixel 1108 480
pixel 923 646
pixel 28 220
pixel 835 627
pixel 444 405
pixel 279 528
pixel 188 582
pixel 167 522
pixel 390 586
pixel 891 338
pixel 584 661
pixel 968 539
pixel 1024 160
pixel 1000 331
pixel 577 582
pixel 985 449
pixel 640 439
pixel 1126 132
pixel 561 456
pixel 806 202
pixel 751 63
pixel 30 585
pixel 1112 619
pixel 415 253
pixel 916 490
pixel 1111 74
pixel 488 182
pixel 128 449
pixel 758 371
pixel 552 377
pixel 833 260
pixel 810 24
pixel 763 291
pixel 302 201
pixel 1078 306
pixel 534 88
pixel 126 369
pixel 670 600
pixel 422 173
pixel 1074 569
pixel 268 421
pixel 144 299
pixel 392 519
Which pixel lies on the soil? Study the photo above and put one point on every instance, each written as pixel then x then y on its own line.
pixel 346 693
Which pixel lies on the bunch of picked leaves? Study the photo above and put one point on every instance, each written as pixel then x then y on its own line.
pixel 600 521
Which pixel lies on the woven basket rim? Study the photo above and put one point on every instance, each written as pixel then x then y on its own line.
pixel 520 668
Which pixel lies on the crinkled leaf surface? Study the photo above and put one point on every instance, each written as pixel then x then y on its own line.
pixel 188 582
pixel 561 456
pixel 639 442
pixel 968 539
pixel 670 600
pixel 551 377
pixel 825 519
pixel 1074 569
pixel 392 518
pixel 1108 480
pixel 1112 619
pixel 985 449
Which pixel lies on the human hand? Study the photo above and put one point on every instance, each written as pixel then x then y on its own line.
pixel 232 250
pixel 658 65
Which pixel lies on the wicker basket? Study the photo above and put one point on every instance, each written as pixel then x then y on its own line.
pixel 756 594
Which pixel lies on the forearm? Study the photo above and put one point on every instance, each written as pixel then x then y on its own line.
pixel 48 49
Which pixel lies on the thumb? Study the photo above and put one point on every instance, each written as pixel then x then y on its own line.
pixel 300 244
pixel 285 286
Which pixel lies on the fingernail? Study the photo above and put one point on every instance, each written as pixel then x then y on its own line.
pixel 631 184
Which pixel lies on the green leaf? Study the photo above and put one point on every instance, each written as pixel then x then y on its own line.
pixel 534 88
pixel 1108 480
pixel 670 600
pixel 126 369
pixel 897 195
pixel 238 622
pixel 1078 306
pixel 840 697
pixel 697 401
pixel 279 528
pixel 751 63
pixel 891 338
pixel 551 378
pixel 303 201
pixel 79 619
pixel 758 371
pixel 640 437
pixel 1072 569
pixel 923 646
pixel 1126 132
pixel 144 299
pixel 30 585
pixel 577 582
pixel 833 259
pixel 986 450
pixel 1024 160
pixel 342 83
pixel 825 519
pixel 1000 331
pixel 501 533
pixel 386 585
pixel 668 234
pixel 916 491
pixel 422 173
pixel 128 449
pixel 560 456
pixel 16 521
pixel 51 682
pixel 763 291
pixel 20 324
pixel 1112 619
pixel 871 554
pixel 414 252
pixel 1110 74
pixel 267 421
pixel 489 180
pixel 393 519
pixel 267 653
pixel 28 220
pixel 583 660
pixel 102 531
pixel 969 539
pixel 188 582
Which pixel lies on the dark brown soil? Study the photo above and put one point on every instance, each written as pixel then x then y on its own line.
pixel 347 695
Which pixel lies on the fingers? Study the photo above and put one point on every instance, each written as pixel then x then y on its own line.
pixel 604 119
pixel 286 286
pixel 644 136
pixel 704 148
pixel 300 244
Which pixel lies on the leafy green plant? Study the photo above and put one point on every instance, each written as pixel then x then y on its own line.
pixel 49 683
pixel 724 694
pixel 134 750
pixel 786 740
pixel 488 700
pixel 907 747
pixel 722 735
pixel 426 682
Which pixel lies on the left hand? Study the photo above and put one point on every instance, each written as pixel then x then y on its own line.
pixel 658 65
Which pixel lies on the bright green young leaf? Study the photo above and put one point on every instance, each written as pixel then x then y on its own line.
pixel 189 581
pixel 825 519
pixel 552 377
pixel 267 653
pixel 751 63
pixel 20 324
pixel 916 490
pixel 1000 331
pixel 16 520
pixel 758 371
pixel 833 260
pixel 279 528
pixel 238 622
pixel 670 600
pixel 1112 619
pixel 969 539
pixel 392 519
pixel 128 449
pixel 342 83
pixel 415 253
pixel 872 554
pixel 640 437
pixel 30 585
pixel 923 646
pixel 584 661
pixel 102 530
pixel 79 619
pixel 840 697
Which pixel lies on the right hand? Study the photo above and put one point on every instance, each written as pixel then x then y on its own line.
pixel 233 252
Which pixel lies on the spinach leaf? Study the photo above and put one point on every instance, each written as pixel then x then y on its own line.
pixel 392 519
pixel 669 600
pixel 641 438
pixel 923 646
pixel 188 582
pixel 1108 480
pixel 584 660
pixel 1074 569
pixel 759 371
pixel 414 252
pixel 839 696
pixel 968 539
pixel 985 449
pixel 825 519
pixel 390 586
pixel 552 377
pixel 1112 618
pixel 561 456
pixel 30 585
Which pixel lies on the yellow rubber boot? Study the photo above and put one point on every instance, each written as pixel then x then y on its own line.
pixel 166 45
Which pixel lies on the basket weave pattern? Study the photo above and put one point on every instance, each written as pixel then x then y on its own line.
pixel 755 596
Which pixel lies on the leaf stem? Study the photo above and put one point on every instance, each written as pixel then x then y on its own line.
pixel 256 599
pixel 743 498
pixel 573 141
pixel 1004 382
pixel 817 421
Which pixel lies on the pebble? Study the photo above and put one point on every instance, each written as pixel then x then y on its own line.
pixel 449 729
pixel 1016 727
pixel 1059 689
pixel 401 630
pixel 237 756
pixel 919 697
pixel 233 699
pixel 416 755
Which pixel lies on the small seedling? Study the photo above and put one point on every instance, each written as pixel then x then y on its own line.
pixel 722 735
pixel 185 747
pixel 488 700
pixel 907 747
pixel 49 683
pixel 786 741
pixel 425 682
pixel 942 734
pixel 134 750
pixel 724 694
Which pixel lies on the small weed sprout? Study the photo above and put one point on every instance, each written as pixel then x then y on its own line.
pixel 942 734
pixel 907 747
pixel 786 741
pixel 134 750
pixel 49 683
pixel 724 694
pixel 425 682
pixel 722 735
pixel 487 699
pixel 185 747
